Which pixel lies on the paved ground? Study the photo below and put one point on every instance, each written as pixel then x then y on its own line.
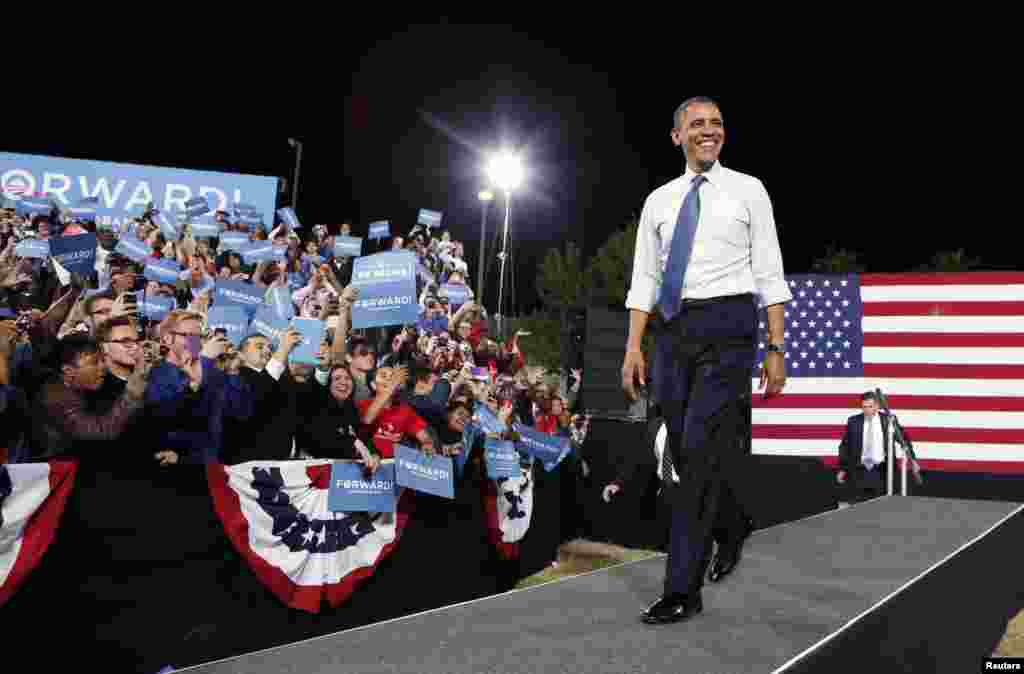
pixel 798 583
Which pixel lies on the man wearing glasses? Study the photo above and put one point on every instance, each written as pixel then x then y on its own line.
pixel 186 393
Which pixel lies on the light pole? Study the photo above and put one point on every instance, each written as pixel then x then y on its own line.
pixel 506 171
pixel 486 197
pixel 295 179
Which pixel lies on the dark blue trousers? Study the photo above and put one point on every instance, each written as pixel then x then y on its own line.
pixel 704 366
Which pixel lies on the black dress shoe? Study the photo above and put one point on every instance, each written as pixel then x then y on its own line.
pixel 672 608
pixel 728 556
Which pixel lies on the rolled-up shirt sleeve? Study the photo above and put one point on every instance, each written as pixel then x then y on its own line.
pixel 765 254
pixel 646 281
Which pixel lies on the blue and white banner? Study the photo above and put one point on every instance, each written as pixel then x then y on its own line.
pixel 307 351
pixel 197 206
pixel 269 324
pixel 122 188
pixel 205 228
pixel 352 490
pixel 162 271
pixel 132 248
pixel 281 302
pixel 486 419
pixel 234 241
pixel 238 294
pixel 234 321
pixel 457 293
pixel 81 214
pixel 253 220
pixel 155 307
pixel 31 206
pixel 168 225
pixel 548 449
pixel 289 218
pixel 387 290
pixel 34 248
pixel 501 459
pixel 428 474
pixel 429 218
pixel 348 246
pixel 379 230
pixel 75 253
pixel 262 251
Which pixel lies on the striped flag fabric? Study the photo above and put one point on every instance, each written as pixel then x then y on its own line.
pixel 947 349
pixel 32 500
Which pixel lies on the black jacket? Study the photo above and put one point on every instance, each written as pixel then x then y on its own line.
pixel 329 432
pixel 851 447
pixel 262 428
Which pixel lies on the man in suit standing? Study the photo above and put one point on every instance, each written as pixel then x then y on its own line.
pixel 863 450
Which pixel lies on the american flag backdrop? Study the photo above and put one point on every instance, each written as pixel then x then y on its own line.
pixel 946 349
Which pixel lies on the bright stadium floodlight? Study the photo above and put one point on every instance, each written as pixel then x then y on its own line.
pixel 505 170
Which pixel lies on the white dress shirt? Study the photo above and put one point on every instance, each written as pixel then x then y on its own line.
pixel 875 449
pixel 735 249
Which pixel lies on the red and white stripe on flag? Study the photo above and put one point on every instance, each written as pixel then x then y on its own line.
pixel 276 516
pixel 32 500
pixel 509 507
pixel 948 351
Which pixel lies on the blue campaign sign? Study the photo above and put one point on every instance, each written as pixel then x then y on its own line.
pixel 168 225
pixel 289 218
pixel 252 219
pixel 123 188
pixel 312 330
pixel 240 208
pixel 548 449
pixel 197 206
pixel 33 206
pixel 75 253
pixel 429 218
pixel 428 474
pixel 162 270
pixel 262 251
pixel 203 229
pixel 387 290
pixel 35 248
pixel 379 230
pixel 348 246
pixel 457 293
pixel 239 294
pixel 280 301
pixel 132 248
pixel 234 321
pixel 488 421
pixel 234 241
pixel 269 324
pixel 501 458
pixel 353 491
pixel 82 214
pixel 156 307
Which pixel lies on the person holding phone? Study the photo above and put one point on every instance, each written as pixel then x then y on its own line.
pixel 707 253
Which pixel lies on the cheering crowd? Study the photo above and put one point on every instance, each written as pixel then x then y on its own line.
pixel 116 365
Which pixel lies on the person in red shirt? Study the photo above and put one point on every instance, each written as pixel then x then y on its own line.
pixel 388 419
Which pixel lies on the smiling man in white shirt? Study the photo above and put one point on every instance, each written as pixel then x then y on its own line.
pixel 707 253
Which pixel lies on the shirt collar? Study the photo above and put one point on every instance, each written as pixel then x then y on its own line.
pixel 712 176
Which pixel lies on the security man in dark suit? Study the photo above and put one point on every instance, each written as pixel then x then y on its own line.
pixel 863 451
pixel 707 253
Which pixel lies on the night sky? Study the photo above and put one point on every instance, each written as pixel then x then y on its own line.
pixel 851 148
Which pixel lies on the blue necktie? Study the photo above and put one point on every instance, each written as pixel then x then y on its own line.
pixel 679 256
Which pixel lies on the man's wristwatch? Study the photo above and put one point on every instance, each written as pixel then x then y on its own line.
pixel 776 348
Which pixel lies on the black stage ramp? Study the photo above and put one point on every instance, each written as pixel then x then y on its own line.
pixel 891 585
